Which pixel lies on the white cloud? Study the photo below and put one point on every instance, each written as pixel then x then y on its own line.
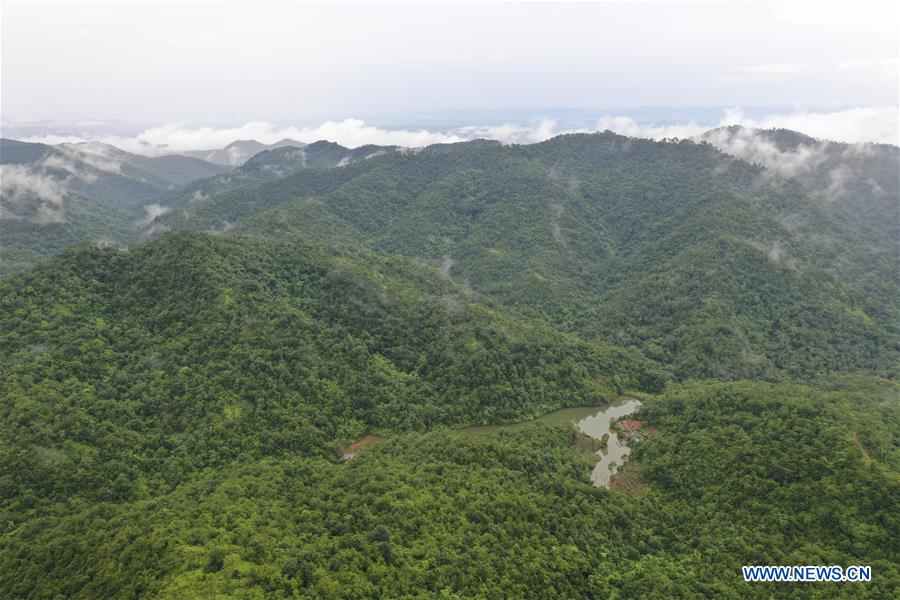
pixel 512 134
pixel 630 127
pixel 38 191
pixel 855 125
pixel 21 186
pixel 98 156
pixel 887 64
pixel 748 145
pixel 177 137
pixel 152 211
pixel 775 69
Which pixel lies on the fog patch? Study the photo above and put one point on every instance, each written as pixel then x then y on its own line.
pixel 631 128
pixel 39 191
pixel 152 211
pixel 558 210
pixel 446 265
pixel 454 303
pixel 66 164
pixel 838 179
pixel 776 253
pixel 24 188
pixel 80 163
pixel 537 131
pixel 98 156
pixel 225 227
pixel 107 243
pixel 749 145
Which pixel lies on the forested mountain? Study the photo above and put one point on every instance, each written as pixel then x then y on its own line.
pixel 174 406
pixel 105 172
pixel 859 179
pixel 53 196
pixel 237 153
pixel 700 261
pixel 269 348
pixel 267 165
pixel 728 483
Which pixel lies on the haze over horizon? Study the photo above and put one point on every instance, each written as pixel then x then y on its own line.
pixel 155 78
pixel 449 300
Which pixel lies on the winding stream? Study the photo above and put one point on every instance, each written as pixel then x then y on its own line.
pixel 593 421
pixel 599 424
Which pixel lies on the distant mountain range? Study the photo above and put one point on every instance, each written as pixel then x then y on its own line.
pixel 53 196
pixel 756 263
pixel 173 409
pixel 266 165
pixel 754 232
pixel 93 168
pixel 860 177
pixel 237 153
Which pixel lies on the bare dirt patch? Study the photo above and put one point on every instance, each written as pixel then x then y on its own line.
pixel 350 451
pixel 628 480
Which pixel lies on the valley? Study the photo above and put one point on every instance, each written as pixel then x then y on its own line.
pixel 449 300
pixel 374 372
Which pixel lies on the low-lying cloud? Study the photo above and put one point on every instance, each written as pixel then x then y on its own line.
pixel 80 161
pixel 173 138
pixel 36 192
pixel 854 125
pixel 151 211
pixel 747 144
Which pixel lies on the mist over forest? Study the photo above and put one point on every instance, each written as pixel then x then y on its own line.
pixel 462 300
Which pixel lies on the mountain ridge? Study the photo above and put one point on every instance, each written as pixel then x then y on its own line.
pixel 238 152
pixel 571 226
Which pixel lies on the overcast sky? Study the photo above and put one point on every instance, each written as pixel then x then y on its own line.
pixel 214 63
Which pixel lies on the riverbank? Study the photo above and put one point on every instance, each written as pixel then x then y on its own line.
pixel 596 426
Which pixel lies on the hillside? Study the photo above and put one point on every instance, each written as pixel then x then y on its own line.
pixel 174 411
pixel 53 196
pixel 223 348
pixel 699 261
pixel 238 152
pixel 860 180
pixel 105 172
pixel 430 515
pixel 267 165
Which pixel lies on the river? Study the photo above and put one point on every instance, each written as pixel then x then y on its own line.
pixel 599 424
pixel 593 421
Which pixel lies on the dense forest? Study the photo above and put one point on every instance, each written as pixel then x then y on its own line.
pixel 178 383
pixel 728 482
pixel 244 348
pixel 55 196
pixel 701 262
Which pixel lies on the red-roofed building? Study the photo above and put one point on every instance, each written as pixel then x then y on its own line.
pixel 631 426
pixel 633 429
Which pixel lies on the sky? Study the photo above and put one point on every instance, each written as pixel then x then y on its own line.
pixel 196 74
